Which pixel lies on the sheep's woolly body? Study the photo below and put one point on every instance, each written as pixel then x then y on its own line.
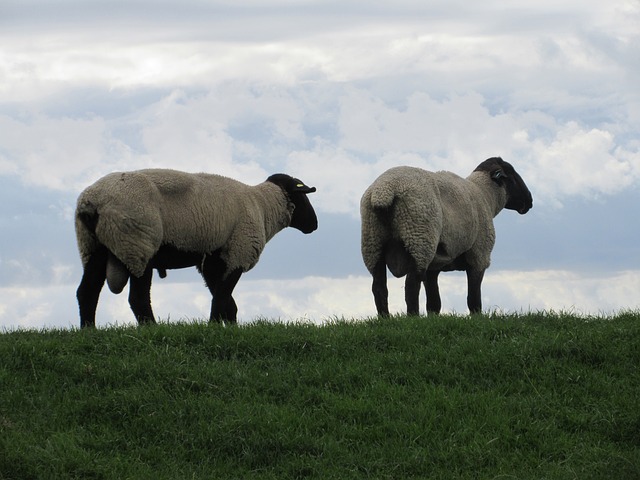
pixel 137 212
pixel 437 218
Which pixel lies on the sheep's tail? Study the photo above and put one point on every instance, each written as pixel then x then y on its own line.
pixel 87 214
pixel 87 218
pixel 375 210
pixel 381 196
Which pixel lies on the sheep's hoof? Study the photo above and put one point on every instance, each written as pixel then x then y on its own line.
pixel 146 321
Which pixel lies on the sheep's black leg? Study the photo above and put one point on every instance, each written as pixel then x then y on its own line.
pixel 93 277
pixel 232 309
pixel 379 288
pixel 412 293
pixel 474 296
pixel 140 297
pixel 434 304
pixel 223 307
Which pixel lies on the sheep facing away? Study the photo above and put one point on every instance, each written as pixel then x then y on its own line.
pixel 420 223
pixel 129 223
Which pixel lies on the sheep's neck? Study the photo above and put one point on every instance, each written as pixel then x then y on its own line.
pixel 275 207
pixel 494 196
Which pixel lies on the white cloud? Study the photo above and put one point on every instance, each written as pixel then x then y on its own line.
pixel 189 43
pixel 448 130
pixel 475 68
pixel 564 290
pixel 557 159
pixel 54 152
pixel 247 132
pixel 339 177
pixel 584 162
pixel 196 132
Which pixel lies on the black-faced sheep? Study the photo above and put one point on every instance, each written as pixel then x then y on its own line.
pixel 129 223
pixel 420 223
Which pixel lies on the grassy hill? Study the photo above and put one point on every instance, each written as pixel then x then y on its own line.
pixel 510 397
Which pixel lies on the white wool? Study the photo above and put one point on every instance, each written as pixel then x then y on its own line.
pixel 414 211
pixel 139 211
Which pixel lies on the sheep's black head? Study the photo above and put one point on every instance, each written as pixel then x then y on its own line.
pixel 518 195
pixel 304 216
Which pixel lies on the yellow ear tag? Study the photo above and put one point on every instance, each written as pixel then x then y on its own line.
pixel 300 185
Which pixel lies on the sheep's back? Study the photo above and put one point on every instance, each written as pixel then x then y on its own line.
pixel 199 211
pixel 141 210
pixel 206 212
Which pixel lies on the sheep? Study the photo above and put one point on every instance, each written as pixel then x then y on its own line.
pixel 420 223
pixel 129 223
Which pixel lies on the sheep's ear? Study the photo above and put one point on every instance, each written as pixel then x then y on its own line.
pixel 290 184
pixel 498 175
pixel 301 187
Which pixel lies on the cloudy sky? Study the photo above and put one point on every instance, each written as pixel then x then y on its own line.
pixel 334 93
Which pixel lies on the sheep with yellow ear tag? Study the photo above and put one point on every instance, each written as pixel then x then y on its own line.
pixel 129 223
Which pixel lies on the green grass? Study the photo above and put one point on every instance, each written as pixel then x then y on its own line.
pixel 489 397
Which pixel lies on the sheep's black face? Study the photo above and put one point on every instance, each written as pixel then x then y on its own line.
pixel 518 195
pixel 304 216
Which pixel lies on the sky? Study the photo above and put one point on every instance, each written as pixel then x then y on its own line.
pixel 334 93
